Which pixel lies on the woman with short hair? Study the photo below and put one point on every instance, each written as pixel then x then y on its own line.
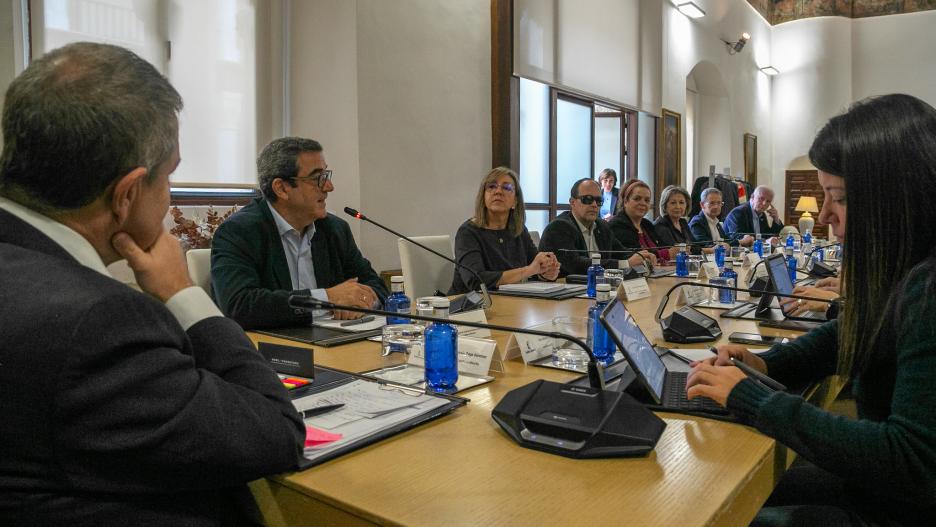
pixel 629 225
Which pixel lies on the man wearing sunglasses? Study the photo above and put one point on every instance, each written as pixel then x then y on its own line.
pixel 286 243
pixel 577 232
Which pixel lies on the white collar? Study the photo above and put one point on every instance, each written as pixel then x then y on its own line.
pixel 583 228
pixel 284 227
pixel 74 244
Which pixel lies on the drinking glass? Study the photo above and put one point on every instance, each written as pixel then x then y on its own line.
pixel 565 353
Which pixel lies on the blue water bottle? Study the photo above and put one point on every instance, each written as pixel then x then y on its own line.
pixel 789 241
pixel 441 350
pixel 791 264
pixel 398 302
pixel 731 280
pixel 719 256
pixel 682 261
pixel 759 247
pixel 598 338
pixel 595 271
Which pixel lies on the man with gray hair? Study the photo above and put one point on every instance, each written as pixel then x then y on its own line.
pixel 117 405
pixel 705 226
pixel 286 243
pixel 756 218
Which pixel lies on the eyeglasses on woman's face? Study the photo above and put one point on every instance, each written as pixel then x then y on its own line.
pixel 493 186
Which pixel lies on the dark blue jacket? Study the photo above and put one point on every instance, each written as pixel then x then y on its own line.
pixel 700 231
pixel 740 221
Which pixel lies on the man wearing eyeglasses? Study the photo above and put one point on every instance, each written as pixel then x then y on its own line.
pixel 705 225
pixel 286 243
pixel 577 232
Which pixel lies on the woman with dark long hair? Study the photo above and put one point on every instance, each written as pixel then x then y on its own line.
pixel 495 243
pixel 878 469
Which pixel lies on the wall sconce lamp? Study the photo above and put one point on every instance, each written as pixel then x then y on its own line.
pixel 690 9
pixel 738 45
pixel 770 70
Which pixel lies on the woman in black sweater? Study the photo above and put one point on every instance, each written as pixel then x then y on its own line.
pixel 495 243
pixel 878 469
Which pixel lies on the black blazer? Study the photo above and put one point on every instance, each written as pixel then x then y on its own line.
pixel 699 227
pixel 625 232
pixel 740 221
pixel 112 412
pixel 250 277
pixel 563 233
pixel 668 235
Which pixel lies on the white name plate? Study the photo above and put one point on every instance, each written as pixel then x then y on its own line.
pixel 476 315
pixel 692 295
pixel 708 270
pixel 474 356
pixel 635 289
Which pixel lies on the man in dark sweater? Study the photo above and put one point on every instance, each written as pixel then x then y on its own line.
pixel 287 243
pixel 576 233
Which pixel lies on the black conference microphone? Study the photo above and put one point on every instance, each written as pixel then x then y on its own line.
pixel 688 325
pixel 816 268
pixel 466 302
pixel 563 419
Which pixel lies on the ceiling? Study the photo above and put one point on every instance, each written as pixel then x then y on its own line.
pixel 780 11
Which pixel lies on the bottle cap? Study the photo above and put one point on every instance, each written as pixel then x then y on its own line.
pixel 398 279
pixel 595 256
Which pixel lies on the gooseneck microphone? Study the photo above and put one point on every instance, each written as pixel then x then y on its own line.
pixel 486 298
pixel 563 419
pixel 687 325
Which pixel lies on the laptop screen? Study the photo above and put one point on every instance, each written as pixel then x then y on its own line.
pixel 638 350
pixel 779 281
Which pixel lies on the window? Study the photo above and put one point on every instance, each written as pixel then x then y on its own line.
pixel 565 137
pixel 207 49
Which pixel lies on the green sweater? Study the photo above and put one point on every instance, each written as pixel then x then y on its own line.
pixel 888 455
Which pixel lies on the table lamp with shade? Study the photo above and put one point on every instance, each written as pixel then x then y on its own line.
pixel 807 204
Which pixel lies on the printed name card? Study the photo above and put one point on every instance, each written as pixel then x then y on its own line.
pixel 533 347
pixel 474 356
pixel 708 270
pixel 692 295
pixel 635 289
pixel 476 315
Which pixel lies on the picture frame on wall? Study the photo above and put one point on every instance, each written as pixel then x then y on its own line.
pixel 669 171
pixel 750 159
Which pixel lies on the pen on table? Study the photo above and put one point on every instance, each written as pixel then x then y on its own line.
pixel 754 374
pixel 319 410
pixel 356 321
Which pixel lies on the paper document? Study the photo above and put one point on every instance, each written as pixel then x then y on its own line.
pixel 369 407
pixel 372 322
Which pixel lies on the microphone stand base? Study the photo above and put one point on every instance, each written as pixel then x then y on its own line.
pixel 577 422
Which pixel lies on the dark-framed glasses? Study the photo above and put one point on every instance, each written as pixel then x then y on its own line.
pixel 493 186
pixel 319 177
pixel 588 199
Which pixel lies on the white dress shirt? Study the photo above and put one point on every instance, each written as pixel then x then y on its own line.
pixel 188 306
pixel 589 234
pixel 713 228
pixel 298 249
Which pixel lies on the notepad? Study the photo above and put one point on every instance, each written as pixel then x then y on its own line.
pixel 532 287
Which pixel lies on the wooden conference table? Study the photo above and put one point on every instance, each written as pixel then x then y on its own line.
pixel 463 469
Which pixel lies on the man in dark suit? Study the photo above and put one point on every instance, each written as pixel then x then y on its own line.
pixel 751 217
pixel 117 405
pixel 286 243
pixel 705 225
pixel 580 231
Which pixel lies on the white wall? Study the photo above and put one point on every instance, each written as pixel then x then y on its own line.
pixel 688 42
pixel 895 54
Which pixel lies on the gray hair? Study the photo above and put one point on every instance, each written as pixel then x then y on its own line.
pixel 280 159
pixel 78 119
pixel 709 191
pixel 760 190
pixel 668 193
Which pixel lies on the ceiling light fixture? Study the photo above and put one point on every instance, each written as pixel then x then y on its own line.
pixel 690 9
pixel 770 70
